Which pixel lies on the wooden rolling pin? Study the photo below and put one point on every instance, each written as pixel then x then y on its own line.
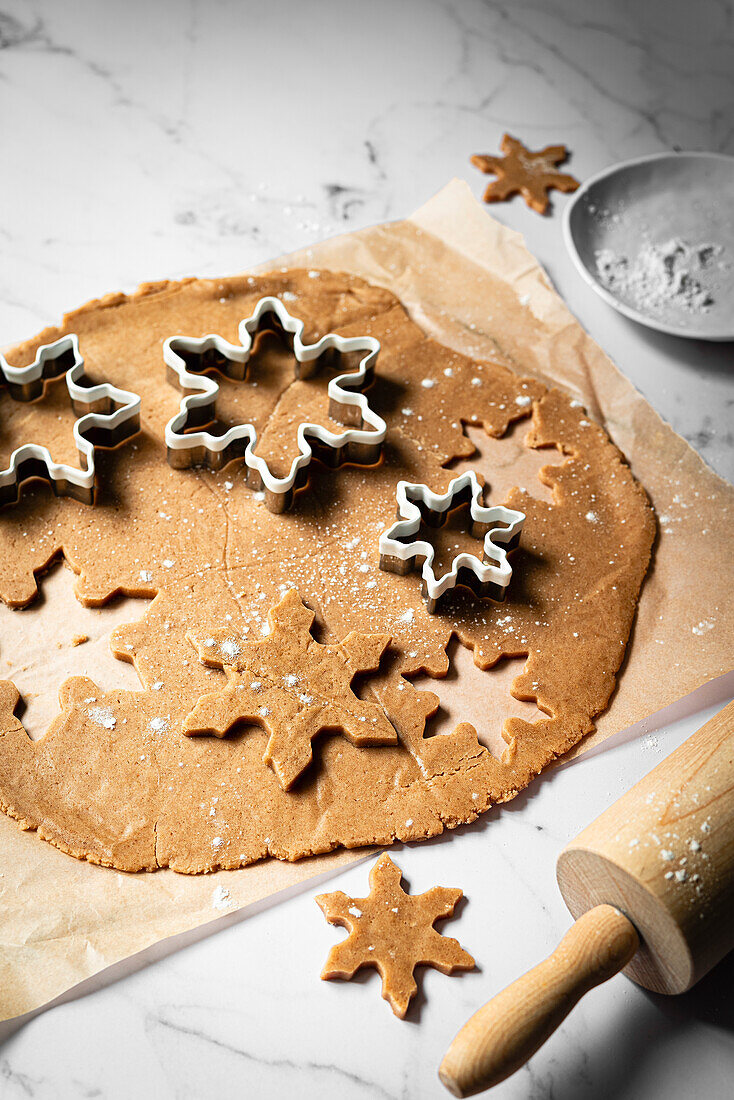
pixel 651 883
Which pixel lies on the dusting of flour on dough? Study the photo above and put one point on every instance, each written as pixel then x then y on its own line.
pixel 159 725
pixel 232 556
pixel 104 717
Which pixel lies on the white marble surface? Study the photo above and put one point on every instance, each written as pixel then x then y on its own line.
pixel 143 141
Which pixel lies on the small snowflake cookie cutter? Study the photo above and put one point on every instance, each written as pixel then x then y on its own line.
pixel 106 417
pixel 361 443
pixel 401 552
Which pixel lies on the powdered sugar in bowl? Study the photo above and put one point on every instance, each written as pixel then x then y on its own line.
pixel 655 238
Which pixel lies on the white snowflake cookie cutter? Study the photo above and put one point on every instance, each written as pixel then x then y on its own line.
pixel 401 552
pixel 106 417
pixel 361 443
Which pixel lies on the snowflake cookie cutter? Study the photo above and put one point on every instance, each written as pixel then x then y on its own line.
pixel 361 442
pixel 106 417
pixel 401 552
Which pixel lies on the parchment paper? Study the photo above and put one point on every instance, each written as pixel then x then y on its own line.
pixel 472 284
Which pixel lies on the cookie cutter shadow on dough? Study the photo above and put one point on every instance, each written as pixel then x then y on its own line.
pixel 106 417
pixel 401 553
pixel 188 358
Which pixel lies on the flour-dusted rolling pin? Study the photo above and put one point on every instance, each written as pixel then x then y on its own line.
pixel 651 883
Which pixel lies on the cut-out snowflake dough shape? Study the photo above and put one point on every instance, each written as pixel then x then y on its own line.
pixel 188 358
pixel 106 417
pixel 401 552
pixel 532 174
pixel 393 932
pixel 292 686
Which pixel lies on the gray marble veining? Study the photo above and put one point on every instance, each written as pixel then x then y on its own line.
pixel 144 141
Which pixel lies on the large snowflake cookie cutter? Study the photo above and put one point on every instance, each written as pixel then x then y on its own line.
pixel 188 358
pixel 401 552
pixel 106 417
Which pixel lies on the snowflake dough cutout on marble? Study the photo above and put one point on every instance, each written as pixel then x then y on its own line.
pixel 401 552
pixel 292 686
pixel 188 359
pixel 520 170
pixel 393 932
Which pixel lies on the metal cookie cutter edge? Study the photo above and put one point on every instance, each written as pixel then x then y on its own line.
pixel 347 403
pixel 96 413
pixel 490 577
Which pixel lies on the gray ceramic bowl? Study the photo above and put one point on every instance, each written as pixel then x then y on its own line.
pixel 645 204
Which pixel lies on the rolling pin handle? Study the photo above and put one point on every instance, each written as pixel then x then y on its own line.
pixel 507 1031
